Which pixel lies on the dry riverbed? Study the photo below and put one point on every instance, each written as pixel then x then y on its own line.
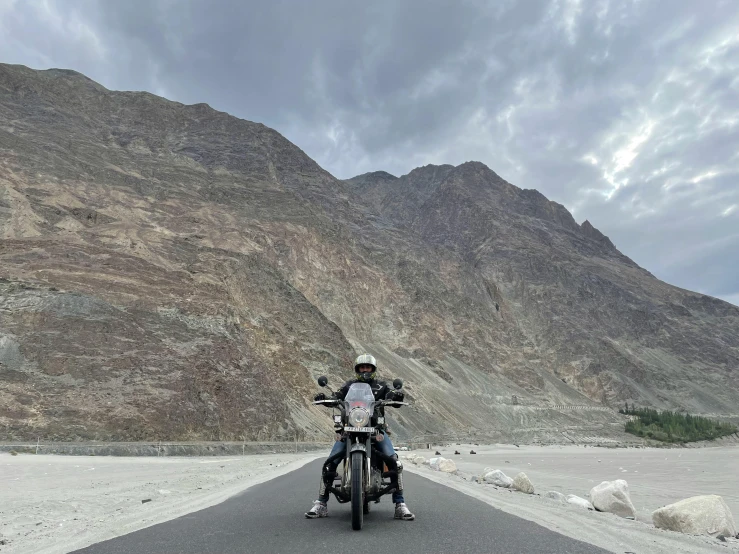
pixel 55 504
pixel 656 477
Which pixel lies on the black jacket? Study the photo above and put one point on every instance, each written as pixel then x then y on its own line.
pixel 379 388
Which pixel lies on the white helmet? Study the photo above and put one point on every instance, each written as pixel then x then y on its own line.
pixel 365 359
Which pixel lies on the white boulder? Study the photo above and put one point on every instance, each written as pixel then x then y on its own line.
pixel 580 502
pixel 442 464
pixel 522 483
pixel 698 515
pixel 498 478
pixel 417 459
pixel 558 496
pixel 613 497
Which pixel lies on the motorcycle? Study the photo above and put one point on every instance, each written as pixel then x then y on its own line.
pixel 365 476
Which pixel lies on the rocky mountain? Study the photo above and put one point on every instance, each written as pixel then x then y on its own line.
pixel 591 316
pixel 173 272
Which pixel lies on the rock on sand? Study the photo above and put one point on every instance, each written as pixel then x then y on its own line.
pixel 523 484
pixel 577 501
pixel 443 464
pixel 613 497
pixel 558 496
pixel 698 515
pixel 498 478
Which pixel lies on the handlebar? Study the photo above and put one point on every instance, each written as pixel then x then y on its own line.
pixel 335 402
pixel 393 403
pixel 330 402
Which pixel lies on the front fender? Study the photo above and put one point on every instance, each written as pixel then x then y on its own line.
pixel 359 447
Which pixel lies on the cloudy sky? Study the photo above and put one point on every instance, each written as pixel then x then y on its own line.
pixel 625 111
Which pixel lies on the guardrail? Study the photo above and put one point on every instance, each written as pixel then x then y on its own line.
pixel 568 407
pixel 163 448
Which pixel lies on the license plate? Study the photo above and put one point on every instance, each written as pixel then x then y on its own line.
pixel 359 429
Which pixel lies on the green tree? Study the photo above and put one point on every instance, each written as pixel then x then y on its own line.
pixel 671 426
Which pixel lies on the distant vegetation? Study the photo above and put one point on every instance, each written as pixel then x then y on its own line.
pixel 669 426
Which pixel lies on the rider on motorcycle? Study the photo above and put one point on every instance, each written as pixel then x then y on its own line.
pixel 365 366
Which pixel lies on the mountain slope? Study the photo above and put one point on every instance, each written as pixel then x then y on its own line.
pixel 594 318
pixel 154 209
pixel 173 272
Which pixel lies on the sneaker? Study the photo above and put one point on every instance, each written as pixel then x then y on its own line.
pixel 402 512
pixel 319 509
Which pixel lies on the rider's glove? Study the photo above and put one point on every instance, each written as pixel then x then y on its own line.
pixel 395 395
pixel 319 396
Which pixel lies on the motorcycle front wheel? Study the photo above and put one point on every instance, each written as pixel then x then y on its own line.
pixel 357 490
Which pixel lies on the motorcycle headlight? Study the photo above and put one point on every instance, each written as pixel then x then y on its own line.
pixel 359 417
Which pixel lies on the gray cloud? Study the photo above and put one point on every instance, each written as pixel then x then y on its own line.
pixel 626 112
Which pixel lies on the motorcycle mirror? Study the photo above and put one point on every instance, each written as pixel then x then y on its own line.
pixel 398 383
pixel 322 381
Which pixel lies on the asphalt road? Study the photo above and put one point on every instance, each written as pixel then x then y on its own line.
pixel 269 518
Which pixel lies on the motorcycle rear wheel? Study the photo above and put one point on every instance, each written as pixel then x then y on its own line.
pixel 357 490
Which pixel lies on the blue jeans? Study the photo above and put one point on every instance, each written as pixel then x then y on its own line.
pixel 384 446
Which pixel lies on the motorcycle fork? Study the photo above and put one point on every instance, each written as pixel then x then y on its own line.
pixel 347 464
pixel 368 466
pixel 347 473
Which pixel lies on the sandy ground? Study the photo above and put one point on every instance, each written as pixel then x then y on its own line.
pixel 656 477
pixel 55 504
